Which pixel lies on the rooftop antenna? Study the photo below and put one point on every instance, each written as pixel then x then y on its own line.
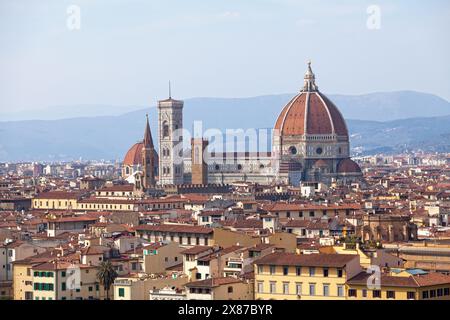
pixel 170 90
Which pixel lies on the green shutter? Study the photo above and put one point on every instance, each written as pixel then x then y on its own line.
pixel 121 292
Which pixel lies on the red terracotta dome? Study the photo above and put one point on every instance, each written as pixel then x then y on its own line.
pixel 310 112
pixel 134 155
pixel 348 166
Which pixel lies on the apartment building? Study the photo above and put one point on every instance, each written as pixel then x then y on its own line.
pixel 428 286
pixel 183 234
pixel 288 276
pixel 222 288
pixel 61 280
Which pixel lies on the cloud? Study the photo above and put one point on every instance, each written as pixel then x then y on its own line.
pixel 231 14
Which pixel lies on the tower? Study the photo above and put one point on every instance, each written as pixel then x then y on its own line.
pixel 170 120
pixel 148 151
pixel 199 166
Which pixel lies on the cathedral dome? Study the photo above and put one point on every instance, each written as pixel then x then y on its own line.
pixel 310 112
pixel 348 166
pixel 134 155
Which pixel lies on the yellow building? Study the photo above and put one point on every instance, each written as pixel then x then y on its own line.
pixel 434 286
pixel 288 276
pixel 56 200
pixel 378 257
pixel 65 281
pixel 223 288
pixel 23 276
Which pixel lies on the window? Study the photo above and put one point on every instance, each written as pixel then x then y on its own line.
pixel 446 291
pixel 230 289
pixel 339 272
pixel 285 270
pixel 285 287
pixel 312 271
pixel 298 289
pixel 312 289
pixel 272 287
pixel 63 286
pixel 292 150
pixel 411 295
pixel 432 293
pixel 340 291
pixel 364 293
pixel 425 295
pixel 325 272
pixel 63 273
pixel 260 287
pixel 390 294
pixel 90 288
pixel 121 292
pixel 260 269
pixel 352 293
pixel 311 213
pixel 326 290
pixel 439 292
pixel 272 269
pixel 298 270
pixel 165 129
pixel 288 214
pixel 376 294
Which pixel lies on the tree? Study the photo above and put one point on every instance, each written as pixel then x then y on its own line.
pixel 106 275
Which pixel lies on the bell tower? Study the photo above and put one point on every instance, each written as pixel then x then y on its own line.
pixel 148 159
pixel 170 120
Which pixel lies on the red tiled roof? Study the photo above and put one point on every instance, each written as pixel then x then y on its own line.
pixel 348 166
pixel 429 279
pixel 310 113
pixel 59 195
pixel 309 260
pixel 174 228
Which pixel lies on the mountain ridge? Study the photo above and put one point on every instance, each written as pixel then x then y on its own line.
pixel 109 137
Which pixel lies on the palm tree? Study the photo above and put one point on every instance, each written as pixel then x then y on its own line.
pixel 106 275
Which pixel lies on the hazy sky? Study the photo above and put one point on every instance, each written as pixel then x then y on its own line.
pixel 126 51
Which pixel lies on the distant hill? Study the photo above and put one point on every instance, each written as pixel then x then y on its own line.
pixel 382 106
pixel 66 112
pixel 109 137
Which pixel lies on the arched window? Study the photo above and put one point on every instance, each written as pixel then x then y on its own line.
pixel 165 129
